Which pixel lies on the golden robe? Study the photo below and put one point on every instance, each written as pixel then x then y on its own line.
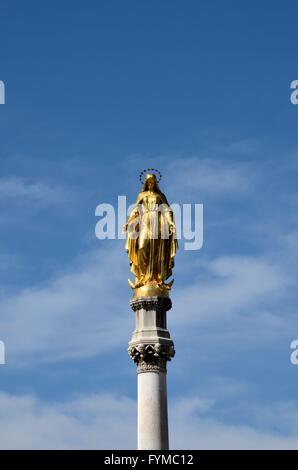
pixel 151 242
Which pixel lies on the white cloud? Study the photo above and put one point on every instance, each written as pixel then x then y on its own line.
pixel 85 311
pixel 208 176
pixel 92 422
pixel 103 421
pixel 232 285
pixel 192 431
pixel 18 189
pixel 78 314
pixel 233 305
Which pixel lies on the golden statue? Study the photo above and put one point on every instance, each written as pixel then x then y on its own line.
pixel 151 239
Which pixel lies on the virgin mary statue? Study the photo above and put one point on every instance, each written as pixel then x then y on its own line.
pixel 151 237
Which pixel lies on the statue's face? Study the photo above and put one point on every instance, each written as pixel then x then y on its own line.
pixel 150 184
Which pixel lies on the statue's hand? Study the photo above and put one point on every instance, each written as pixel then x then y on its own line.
pixel 172 229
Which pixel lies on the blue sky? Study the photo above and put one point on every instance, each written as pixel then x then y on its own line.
pixel 95 92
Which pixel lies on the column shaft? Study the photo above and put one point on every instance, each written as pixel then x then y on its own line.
pixel 151 347
pixel 152 411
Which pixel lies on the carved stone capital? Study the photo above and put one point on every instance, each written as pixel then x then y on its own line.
pixel 151 303
pixel 151 357
pixel 159 366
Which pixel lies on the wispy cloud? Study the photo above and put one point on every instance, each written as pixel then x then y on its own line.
pixel 91 422
pixel 194 429
pixel 78 315
pixel 232 285
pixel 208 177
pixel 13 188
pixel 74 315
pixel 105 421
pixel 229 297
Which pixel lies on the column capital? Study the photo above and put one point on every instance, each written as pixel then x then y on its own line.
pixel 151 357
pixel 151 303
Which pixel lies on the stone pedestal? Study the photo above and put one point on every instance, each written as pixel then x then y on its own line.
pixel 150 348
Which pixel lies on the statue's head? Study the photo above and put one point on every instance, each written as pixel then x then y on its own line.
pixel 150 183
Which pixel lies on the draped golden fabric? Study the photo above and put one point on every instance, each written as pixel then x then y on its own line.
pixel 151 243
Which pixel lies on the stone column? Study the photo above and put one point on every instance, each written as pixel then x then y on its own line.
pixel 150 348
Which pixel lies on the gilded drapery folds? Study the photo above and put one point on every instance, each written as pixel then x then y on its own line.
pixel 151 242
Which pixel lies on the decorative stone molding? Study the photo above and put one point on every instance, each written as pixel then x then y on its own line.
pixel 151 357
pixel 159 366
pixel 151 303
